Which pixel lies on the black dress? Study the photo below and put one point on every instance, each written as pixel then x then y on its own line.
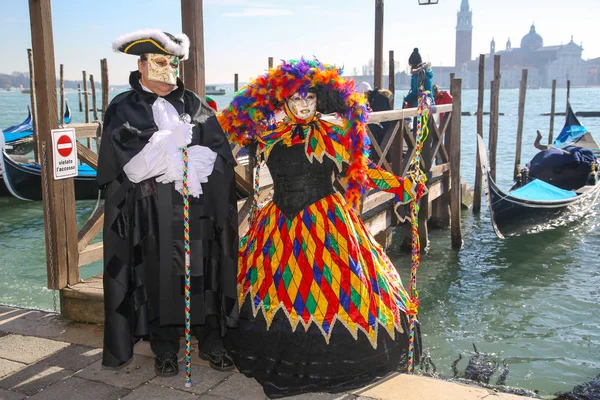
pixel 321 306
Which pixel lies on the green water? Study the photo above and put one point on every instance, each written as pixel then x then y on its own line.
pixel 533 301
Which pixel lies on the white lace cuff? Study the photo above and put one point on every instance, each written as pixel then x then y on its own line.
pixel 201 161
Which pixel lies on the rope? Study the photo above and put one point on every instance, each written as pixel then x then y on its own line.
pixel 186 240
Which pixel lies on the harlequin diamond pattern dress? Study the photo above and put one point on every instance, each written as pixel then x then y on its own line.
pixel 322 308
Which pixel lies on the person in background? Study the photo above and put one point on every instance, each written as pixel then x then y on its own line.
pixel 421 78
pixel 378 100
pixel 441 97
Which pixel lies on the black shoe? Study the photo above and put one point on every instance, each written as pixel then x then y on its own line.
pixel 218 359
pixel 165 364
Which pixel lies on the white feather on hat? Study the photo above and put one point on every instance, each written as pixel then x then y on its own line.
pixel 179 47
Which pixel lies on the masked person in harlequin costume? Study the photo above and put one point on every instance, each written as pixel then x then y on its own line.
pixel 141 168
pixel 322 308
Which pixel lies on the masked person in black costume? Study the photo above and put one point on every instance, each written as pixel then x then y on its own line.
pixel 141 167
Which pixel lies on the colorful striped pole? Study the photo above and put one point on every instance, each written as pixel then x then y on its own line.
pixel 417 176
pixel 186 241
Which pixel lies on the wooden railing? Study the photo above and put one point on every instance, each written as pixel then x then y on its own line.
pixel 393 154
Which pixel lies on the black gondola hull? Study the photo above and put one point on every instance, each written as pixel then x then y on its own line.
pixel 25 182
pixel 515 216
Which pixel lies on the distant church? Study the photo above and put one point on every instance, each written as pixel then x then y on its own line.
pixel 544 63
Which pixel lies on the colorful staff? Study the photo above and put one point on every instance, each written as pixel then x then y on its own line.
pixel 419 180
pixel 185 118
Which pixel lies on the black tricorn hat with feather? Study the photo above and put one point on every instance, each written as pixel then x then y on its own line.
pixel 153 41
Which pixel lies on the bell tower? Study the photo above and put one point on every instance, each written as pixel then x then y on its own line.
pixel 464 35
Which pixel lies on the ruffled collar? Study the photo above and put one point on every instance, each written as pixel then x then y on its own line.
pixel 320 137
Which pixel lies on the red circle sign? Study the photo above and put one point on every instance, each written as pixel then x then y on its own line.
pixel 64 145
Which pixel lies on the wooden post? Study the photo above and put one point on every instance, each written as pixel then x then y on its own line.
pixel 62 94
pixel 455 188
pixel 270 63
pixel 392 78
pixel 568 96
pixel 552 111
pixel 36 149
pixel 86 101
pixel 235 83
pixel 192 22
pixel 105 85
pixel 481 91
pixel 93 89
pixel 80 103
pixel 522 95
pixel 494 106
pixel 425 204
pixel 378 79
pixel 451 77
pixel 58 195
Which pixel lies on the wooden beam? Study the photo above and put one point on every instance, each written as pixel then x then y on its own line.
pixel 58 195
pixel 378 152
pixel 438 171
pixel 494 106
pixel 93 252
pixel 378 79
pixel 235 83
pixel 568 94
pixel 94 104
pixel 389 139
pixel 105 85
pixel 91 228
pixel 86 101
pixel 392 78
pixel 480 98
pixel 192 22
pixel 522 94
pixel 80 103
pixel 455 197
pixel 62 94
pixel 87 155
pixel 270 62
pixel 552 112
pixel 86 131
pixel 36 149
pixel 395 115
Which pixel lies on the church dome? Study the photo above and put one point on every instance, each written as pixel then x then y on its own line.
pixel 532 41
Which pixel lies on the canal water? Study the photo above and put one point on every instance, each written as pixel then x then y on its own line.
pixel 533 300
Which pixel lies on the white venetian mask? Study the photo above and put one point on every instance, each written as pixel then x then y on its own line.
pixel 163 68
pixel 303 107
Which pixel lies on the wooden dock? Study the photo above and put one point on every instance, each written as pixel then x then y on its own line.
pixel 67 249
pixel 83 300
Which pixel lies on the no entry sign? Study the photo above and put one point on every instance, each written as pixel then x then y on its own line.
pixel 64 149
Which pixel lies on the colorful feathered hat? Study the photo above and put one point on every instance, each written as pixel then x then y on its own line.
pixel 153 41
pixel 253 109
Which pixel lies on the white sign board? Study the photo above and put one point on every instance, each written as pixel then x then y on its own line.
pixel 64 149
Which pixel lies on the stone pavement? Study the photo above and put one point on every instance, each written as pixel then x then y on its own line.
pixel 43 357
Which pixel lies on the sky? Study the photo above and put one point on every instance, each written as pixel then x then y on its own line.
pixel 240 35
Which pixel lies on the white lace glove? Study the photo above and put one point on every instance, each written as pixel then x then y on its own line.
pixel 181 134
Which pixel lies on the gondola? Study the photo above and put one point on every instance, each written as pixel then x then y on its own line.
pixel 552 196
pixel 24 180
pixel 19 138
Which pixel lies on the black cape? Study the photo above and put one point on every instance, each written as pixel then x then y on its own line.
pixel 143 228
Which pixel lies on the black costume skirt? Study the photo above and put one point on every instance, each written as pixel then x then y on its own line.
pixel 287 363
